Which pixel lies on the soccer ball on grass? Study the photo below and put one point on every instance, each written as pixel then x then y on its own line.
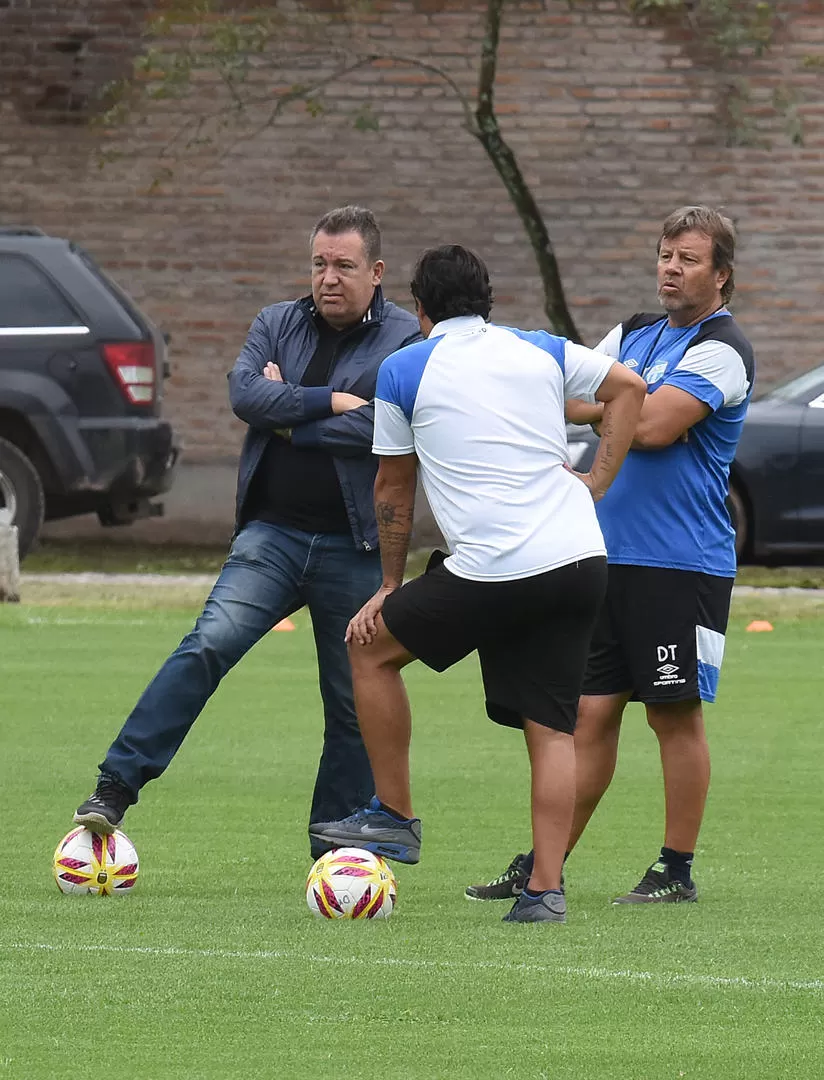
pixel 351 883
pixel 89 864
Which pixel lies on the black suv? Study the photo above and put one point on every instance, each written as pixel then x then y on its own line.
pixel 81 379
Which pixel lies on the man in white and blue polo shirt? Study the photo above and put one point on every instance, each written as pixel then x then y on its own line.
pixel 670 546
pixel 479 410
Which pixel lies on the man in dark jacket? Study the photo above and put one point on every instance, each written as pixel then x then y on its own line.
pixel 305 529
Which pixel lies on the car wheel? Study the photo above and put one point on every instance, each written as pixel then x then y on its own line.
pixel 738 514
pixel 21 495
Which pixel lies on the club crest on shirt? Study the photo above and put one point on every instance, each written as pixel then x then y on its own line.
pixel 656 372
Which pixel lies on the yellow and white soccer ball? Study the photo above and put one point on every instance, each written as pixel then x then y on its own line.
pixel 351 883
pixel 88 864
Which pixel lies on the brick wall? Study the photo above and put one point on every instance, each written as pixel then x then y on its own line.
pixel 614 123
pixel 55 56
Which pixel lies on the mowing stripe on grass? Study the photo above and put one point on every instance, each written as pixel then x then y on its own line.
pixel 91 577
pixel 653 978
pixel 34 620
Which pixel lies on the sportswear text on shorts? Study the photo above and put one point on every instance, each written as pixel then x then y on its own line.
pixel 660 634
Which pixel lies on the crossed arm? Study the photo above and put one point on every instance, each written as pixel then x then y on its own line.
pixel 318 415
pixel 312 416
pixel 347 432
pixel 620 399
pixel 666 417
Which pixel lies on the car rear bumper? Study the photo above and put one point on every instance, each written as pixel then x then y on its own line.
pixel 129 457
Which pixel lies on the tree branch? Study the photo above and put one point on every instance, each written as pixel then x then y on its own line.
pixel 479 120
pixel 489 135
pixel 302 93
pixel 365 59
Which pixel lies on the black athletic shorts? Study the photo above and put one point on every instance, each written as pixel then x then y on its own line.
pixel 532 635
pixel 660 634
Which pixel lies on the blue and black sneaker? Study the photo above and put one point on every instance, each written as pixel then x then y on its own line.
pixel 549 906
pixel 375 829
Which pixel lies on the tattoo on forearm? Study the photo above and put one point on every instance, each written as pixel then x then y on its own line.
pixel 603 466
pixel 386 513
pixel 606 435
pixel 394 531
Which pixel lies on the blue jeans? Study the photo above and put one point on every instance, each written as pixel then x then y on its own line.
pixel 271 571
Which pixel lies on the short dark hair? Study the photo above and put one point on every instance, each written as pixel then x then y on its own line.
pixel 450 281
pixel 717 227
pixel 352 219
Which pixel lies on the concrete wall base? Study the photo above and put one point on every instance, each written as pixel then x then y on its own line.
pixel 199 511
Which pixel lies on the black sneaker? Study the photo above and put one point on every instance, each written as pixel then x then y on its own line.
pixel 507 886
pixel 548 907
pixel 658 887
pixel 103 811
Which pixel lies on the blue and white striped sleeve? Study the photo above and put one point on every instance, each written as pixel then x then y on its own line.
pixel 393 429
pixel 713 372
pixel 399 380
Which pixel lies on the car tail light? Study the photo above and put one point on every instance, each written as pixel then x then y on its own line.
pixel 132 363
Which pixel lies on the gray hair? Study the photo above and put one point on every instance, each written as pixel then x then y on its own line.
pixel 717 227
pixel 352 219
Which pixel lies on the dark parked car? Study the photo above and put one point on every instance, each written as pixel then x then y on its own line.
pixel 777 479
pixel 81 379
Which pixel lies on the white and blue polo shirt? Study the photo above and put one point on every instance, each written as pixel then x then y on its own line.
pixel 482 406
pixel 668 507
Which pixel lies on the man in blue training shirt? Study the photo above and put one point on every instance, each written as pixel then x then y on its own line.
pixel 670 546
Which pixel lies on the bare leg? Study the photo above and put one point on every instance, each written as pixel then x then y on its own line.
pixel 596 752
pixel 685 759
pixel 552 757
pixel 384 716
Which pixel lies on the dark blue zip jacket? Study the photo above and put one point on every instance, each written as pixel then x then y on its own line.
pixel 285 334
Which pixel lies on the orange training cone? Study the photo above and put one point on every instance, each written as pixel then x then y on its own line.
pixel 287 624
pixel 759 626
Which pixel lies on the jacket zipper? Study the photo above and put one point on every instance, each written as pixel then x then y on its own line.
pixel 364 543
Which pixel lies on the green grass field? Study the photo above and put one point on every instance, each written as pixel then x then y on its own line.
pixel 215 968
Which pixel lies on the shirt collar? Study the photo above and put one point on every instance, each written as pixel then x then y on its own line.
pixel 374 313
pixel 462 324
pixel 723 310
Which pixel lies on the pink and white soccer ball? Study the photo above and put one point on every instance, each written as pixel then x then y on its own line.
pixel 89 864
pixel 351 883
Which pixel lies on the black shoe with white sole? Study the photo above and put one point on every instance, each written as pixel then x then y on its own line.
pixel 103 811
pixel 507 886
pixel 510 884
pixel 658 886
